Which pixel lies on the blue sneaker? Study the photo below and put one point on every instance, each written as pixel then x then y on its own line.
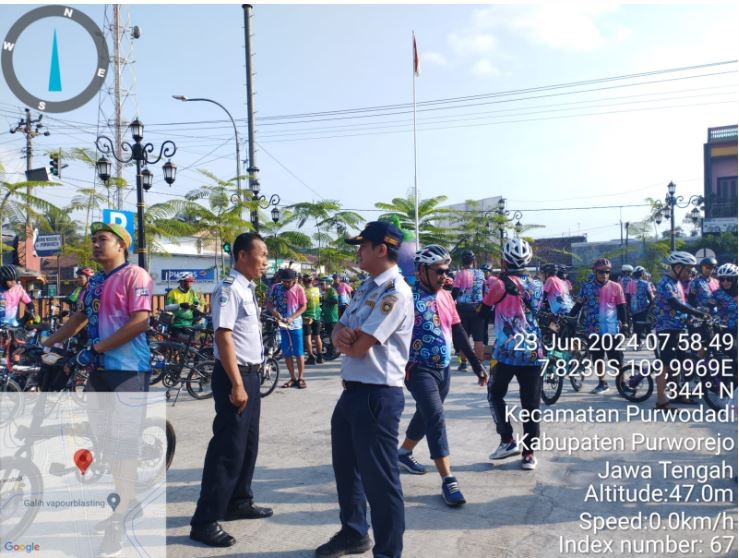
pixel 451 493
pixel 506 449
pixel 409 463
pixel 602 387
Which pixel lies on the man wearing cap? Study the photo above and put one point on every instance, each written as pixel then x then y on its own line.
pixel 225 491
pixel 287 304
pixel 182 300
pixel 115 307
pixel 374 333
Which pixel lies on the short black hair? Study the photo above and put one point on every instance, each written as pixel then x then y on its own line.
pixel 392 252
pixel 245 242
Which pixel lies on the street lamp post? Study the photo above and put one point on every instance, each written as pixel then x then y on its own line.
pixel 141 154
pixel 261 201
pixel 236 137
pixel 503 218
pixel 667 210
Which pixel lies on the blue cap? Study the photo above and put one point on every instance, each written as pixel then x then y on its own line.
pixel 379 232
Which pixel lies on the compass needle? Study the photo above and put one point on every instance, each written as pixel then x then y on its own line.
pixel 55 74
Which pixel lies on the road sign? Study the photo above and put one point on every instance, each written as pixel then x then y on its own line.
pixel 208 274
pixel 48 244
pixel 705 253
pixel 125 218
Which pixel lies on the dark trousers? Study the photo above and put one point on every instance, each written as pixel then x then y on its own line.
pixel 529 386
pixel 640 329
pixel 429 388
pixel 364 448
pixel 232 451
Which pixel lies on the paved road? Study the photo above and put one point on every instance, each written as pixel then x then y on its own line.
pixel 510 513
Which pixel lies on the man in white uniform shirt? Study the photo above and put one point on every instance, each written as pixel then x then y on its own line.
pixel 374 333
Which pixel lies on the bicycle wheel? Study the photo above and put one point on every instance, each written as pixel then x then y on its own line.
pixel 634 381
pixel 719 391
pixel 171 443
pixel 551 385
pixel 268 376
pixel 11 400
pixel 576 374
pixel 20 481
pixel 198 380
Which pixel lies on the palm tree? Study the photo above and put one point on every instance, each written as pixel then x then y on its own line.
pixel 285 244
pixel 429 215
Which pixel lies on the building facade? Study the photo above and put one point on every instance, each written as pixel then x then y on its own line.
pixel 720 186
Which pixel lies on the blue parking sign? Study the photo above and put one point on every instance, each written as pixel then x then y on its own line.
pixel 125 218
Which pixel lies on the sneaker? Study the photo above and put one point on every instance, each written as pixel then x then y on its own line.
pixel 341 544
pixel 310 360
pixel 111 545
pixel 451 493
pixel 600 388
pixel 409 463
pixel 634 381
pixel 319 359
pixel 506 449
pixel 462 366
pixel 528 462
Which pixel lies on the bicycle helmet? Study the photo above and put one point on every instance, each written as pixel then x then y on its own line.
pixel 517 253
pixel 549 268
pixel 431 254
pixel 186 276
pixel 86 271
pixel 602 263
pixel 486 267
pixel 468 256
pixel 639 271
pixel 8 273
pixel 680 258
pixel 627 267
pixel 709 261
pixel 727 270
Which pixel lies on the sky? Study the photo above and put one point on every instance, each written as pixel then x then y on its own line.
pixel 554 106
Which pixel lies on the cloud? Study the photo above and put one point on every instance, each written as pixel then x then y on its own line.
pixel 465 44
pixel 484 67
pixel 433 58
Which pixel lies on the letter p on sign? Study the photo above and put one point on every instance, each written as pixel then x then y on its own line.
pixel 125 218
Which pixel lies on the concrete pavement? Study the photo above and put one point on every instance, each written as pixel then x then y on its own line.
pixel 510 513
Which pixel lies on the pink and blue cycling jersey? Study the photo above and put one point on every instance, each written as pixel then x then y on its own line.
pixel 287 302
pixel 109 302
pixel 435 314
pixel 558 295
pixel 640 292
pixel 10 300
pixel 470 284
pixel 600 302
pixel 344 291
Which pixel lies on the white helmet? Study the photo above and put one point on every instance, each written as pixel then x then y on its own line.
pixel 431 254
pixel 185 276
pixel 727 270
pixel 517 253
pixel 627 267
pixel 639 269
pixel 684 258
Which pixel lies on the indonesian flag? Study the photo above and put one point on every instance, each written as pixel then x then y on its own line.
pixel 416 61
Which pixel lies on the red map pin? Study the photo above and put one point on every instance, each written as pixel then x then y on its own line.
pixel 83 459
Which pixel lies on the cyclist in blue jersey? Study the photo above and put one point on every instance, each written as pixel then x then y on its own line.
pixel 703 285
pixel 467 291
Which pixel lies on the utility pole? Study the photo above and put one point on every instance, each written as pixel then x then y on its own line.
pixel 26 127
pixel 252 169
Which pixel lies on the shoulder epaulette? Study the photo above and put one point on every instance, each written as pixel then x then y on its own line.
pixel 228 280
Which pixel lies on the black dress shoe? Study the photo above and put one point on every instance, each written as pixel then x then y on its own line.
pixel 212 534
pixel 248 511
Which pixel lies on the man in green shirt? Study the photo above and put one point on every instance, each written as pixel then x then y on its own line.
pixel 182 301
pixel 312 320
pixel 329 311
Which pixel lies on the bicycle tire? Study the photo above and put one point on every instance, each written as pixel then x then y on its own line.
pixel 551 387
pixel 577 376
pixel 32 488
pixel 171 443
pixel 720 392
pixel 14 402
pixel 198 380
pixel 639 392
pixel 268 376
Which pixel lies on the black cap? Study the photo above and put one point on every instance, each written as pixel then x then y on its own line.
pixel 378 232
pixel 289 274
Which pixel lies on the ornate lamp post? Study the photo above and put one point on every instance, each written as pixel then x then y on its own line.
pixel 503 219
pixel 261 201
pixel 666 210
pixel 142 154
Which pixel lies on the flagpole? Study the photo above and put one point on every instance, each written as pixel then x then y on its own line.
pixel 415 161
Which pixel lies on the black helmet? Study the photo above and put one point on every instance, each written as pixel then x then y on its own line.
pixel 549 268
pixel 708 261
pixel 468 256
pixel 8 273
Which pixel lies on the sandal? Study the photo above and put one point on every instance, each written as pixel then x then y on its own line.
pixel 289 384
pixel 301 384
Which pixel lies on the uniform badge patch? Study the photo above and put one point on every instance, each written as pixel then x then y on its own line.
pixel 387 304
pixel 223 298
pixel 228 280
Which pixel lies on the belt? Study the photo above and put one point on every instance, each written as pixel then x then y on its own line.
pixel 249 368
pixel 349 385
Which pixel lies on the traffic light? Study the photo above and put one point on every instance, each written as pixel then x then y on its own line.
pixel 227 247
pixel 54 163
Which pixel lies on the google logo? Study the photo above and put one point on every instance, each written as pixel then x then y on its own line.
pixel 28 548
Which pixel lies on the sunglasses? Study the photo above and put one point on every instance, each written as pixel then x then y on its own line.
pixel 442 271
pixel 602 271
pixel 731 279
